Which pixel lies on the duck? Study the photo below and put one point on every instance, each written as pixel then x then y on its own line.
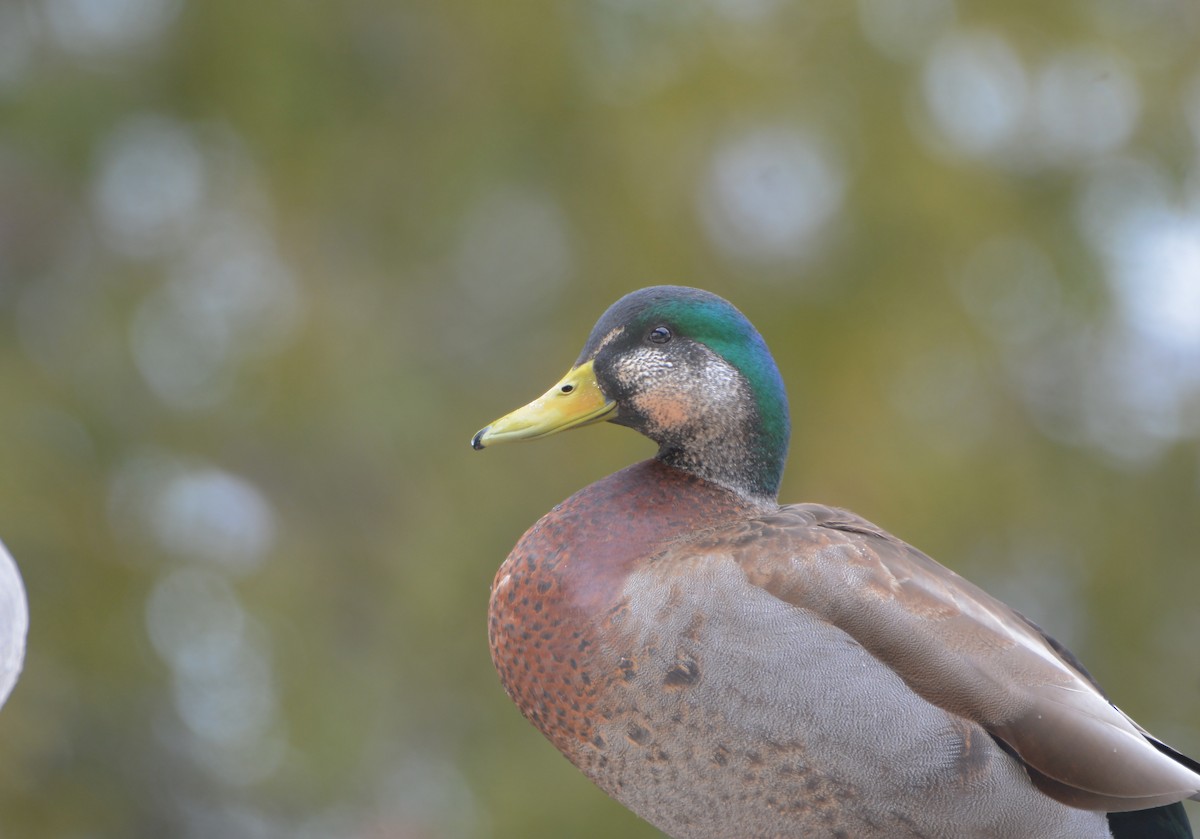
pixel 728 667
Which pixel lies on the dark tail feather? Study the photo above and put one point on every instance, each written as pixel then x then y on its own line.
pixel 1169 822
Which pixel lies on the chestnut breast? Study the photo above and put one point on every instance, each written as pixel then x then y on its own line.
pixel 556 597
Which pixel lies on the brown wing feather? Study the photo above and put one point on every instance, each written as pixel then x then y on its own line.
pixel 964 651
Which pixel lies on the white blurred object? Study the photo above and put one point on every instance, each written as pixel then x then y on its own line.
pixel 14 623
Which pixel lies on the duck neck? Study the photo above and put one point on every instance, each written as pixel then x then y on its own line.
pixel 744 452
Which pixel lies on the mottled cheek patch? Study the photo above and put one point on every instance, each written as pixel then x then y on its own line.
pixel 642 367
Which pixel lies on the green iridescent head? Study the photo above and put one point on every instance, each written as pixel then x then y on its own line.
pixel 685 368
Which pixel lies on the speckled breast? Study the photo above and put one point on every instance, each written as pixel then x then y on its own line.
pixel 556 597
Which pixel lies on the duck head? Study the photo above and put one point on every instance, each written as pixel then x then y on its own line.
pixel 686 369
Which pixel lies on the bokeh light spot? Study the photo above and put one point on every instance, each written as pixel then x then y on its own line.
pixel 193 512
pixel 976 92
pixel 210 515
pixel 230 297
pixel 1087 103
pixel 149 185
pixel 769 193
pixel 95 26
pixel 223 687
pixel 1158 280
pixel 195 622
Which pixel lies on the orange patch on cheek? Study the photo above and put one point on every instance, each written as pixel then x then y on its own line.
pixel 668 410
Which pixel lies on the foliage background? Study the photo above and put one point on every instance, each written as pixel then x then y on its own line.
pixel 265 267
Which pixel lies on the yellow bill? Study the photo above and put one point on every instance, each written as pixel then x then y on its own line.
pixel 574 401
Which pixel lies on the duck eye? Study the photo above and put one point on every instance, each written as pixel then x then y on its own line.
pixel 660 335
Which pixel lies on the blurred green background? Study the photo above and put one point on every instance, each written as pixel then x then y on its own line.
pixel 266 266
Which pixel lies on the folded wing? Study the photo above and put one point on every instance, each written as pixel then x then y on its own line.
pixel 962 650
